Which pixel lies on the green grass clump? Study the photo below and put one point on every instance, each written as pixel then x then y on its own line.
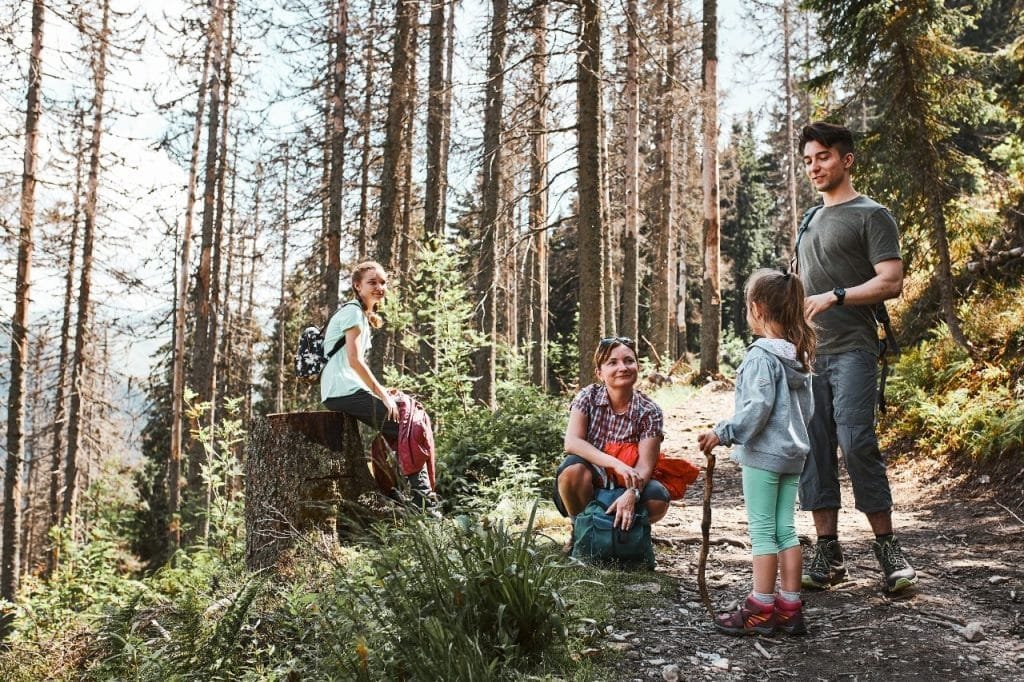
pixel 414 599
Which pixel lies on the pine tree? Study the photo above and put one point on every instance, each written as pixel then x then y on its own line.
pixel 918 80
pixel 748 240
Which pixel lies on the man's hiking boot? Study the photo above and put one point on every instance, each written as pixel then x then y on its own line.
pixel 753 618
pixel 899 574
pixel 789 616
pixel 826 567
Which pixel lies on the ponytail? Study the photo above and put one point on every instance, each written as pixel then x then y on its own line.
pixel 780 299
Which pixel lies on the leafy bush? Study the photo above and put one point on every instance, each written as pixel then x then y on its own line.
pixel 522 438
pixel 951 403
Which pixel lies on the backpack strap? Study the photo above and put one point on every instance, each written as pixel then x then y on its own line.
pixel 885 346
pixel 340 343
pixel 805 222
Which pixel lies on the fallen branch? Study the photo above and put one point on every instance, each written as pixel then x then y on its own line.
pixel 693 539
pixel 705 531
pixel 1019 520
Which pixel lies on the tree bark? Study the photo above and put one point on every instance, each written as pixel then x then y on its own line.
pixel 180 310
pixel 590 185
pixel 711 298
pixel 282 302
pixel 631 239
pixel 218 223
pixel 69 507
pixel 9 556
pixel 366 121
pixel 202 379
pixel 484 358
pixel 437 181
pixel 339 98
pixel 945 273
pixel 539 199
pixel 791 187
pixel 301 470
pixel 662 267
pixel 60 400
pixel 400 106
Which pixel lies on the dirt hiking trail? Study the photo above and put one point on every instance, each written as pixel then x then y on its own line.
pixel 963 621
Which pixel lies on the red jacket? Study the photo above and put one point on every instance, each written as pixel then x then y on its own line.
pixel 415 445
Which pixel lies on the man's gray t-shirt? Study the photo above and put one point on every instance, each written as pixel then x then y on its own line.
pixel 840 248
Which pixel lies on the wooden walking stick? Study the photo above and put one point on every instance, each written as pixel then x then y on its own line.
pixel 705 534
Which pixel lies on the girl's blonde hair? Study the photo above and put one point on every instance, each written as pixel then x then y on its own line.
pixel 779 297
pixel 357 276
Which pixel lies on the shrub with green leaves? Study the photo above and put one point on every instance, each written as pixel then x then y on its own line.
pixel 524 434
pixel 951 403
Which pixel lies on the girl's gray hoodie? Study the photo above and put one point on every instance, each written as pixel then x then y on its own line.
pixel 773 406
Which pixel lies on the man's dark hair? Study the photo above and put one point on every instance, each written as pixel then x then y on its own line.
pixel 829 135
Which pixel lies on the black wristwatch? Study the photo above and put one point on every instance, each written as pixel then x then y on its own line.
pixel 840 294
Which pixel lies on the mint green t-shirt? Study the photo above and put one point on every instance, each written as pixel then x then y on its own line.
pixel 840 248
pixel 338 378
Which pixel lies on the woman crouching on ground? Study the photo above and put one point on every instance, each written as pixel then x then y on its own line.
pixel 604 414
pixel 346 383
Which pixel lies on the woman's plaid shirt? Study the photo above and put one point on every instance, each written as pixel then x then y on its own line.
pixel 642 420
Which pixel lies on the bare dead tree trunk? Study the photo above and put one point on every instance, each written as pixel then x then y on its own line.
pixel 437 181
pixel 608 237
pixel 339 131
pixel 180 309
pixel 590 188
pixel 250 323
pixel 366 121
pixel 38 421
pixel 484 359
pixel 631 239
pixel 282 303
pixel 69 507
pixel 711 299
pixel 791 187
pixel 218 224
pixel 9 551
pixel 539 198
pixel 226 384
pixel 202 366
pixel 60 400
pixel 662 275
pixel 400 106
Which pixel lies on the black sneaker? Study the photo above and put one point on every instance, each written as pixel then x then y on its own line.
pixel 826 567
pixel 899 574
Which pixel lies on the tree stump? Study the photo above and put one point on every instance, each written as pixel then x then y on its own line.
pixel 301 469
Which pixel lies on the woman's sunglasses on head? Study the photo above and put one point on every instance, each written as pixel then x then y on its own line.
pixel 623 340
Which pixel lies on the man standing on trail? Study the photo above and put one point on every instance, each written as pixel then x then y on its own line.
pixel 848 257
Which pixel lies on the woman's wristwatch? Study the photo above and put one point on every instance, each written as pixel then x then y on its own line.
pixel 636 494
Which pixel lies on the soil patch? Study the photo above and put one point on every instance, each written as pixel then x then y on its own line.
pixel 963 533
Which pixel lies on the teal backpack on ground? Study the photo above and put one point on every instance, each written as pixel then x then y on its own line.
pixel 597 542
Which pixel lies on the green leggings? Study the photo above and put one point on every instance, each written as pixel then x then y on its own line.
pixel 771 500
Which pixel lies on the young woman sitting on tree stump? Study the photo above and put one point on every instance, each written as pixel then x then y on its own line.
pixel 347 385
